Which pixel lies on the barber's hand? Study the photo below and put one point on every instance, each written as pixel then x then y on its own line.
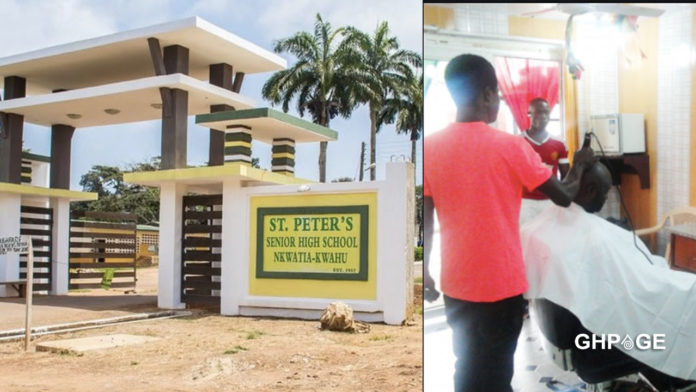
pixel 430 294
pixel 584 157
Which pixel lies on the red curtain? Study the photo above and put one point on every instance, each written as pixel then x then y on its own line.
pixel 521 80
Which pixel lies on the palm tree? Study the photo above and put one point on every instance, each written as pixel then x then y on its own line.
pixel 389 67
pixel 321 79
pixel 406 108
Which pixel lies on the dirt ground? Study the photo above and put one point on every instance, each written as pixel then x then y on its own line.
pixel 209 352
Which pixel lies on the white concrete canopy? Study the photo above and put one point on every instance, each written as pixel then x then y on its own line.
pixel 40 194
pixel 136 100
pixel 212 176
pixel 126 56
pixel 267 124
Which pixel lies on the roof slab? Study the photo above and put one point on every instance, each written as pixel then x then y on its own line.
pixel 135 100
pixel 41 194
pixel 126 56
pixel 212 176
pixel 267 124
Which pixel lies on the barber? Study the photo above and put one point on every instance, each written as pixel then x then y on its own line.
pixel 474 176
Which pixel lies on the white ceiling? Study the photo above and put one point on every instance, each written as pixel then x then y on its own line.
pixel 133 99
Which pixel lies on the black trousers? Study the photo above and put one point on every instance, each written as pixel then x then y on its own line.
pixel 484 339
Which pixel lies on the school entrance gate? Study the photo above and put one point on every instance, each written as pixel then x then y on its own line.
pixel 259 249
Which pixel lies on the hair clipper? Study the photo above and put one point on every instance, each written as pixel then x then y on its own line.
pixel 587 140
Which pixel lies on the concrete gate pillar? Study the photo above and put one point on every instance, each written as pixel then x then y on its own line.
pixel 60 257
pixel 171 213
pixel 11 134
pixel 395 282
pixel 234 223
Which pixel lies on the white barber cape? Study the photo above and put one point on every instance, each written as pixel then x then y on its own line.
pixel 592 268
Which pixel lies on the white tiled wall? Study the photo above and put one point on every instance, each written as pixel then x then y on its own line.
pixel 598 91
pixel 481 18
pixel 598 88
pixel 673 112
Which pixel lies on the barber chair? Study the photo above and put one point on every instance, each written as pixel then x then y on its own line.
pixel 600 369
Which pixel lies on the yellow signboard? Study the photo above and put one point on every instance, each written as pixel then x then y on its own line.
pixel 331 225
pixel 322 242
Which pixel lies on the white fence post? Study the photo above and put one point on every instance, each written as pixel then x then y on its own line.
pixel 10 205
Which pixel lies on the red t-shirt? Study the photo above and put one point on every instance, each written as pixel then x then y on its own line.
pixel 552 152
pixel 475 175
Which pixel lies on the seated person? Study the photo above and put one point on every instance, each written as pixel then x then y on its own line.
pixel 593 269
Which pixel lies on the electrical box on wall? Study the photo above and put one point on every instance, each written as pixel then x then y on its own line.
pixel 618 134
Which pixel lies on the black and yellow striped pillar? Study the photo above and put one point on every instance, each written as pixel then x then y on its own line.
pixel 238 144
pixel 283 158
pixel 26 172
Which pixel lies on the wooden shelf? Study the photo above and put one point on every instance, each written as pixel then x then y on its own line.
pixel 632 164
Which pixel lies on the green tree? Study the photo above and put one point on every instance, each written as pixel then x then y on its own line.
pixel 406 109
pixel 321 80
pixel 118 196
pixel 390 69
pixel 103 180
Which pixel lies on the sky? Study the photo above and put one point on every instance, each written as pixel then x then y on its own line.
pixel 35 24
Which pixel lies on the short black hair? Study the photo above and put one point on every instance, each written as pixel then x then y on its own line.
pixel 598 173
pixel 538 100
pixel 467 76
